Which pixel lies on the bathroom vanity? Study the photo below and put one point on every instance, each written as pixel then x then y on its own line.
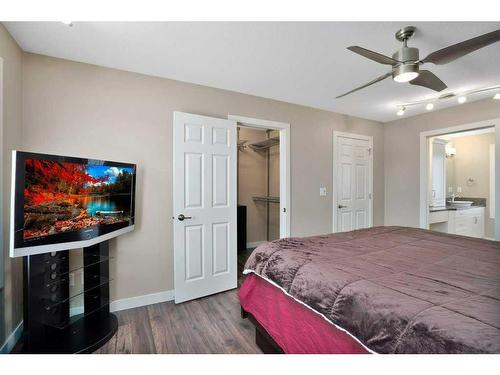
pixel 465 221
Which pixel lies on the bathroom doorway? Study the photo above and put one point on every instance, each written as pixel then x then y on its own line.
pixel 458 173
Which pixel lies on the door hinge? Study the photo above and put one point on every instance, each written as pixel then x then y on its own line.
pixel 369 150
pixel 284 209
pixel 369 195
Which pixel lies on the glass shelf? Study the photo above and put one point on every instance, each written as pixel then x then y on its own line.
pixel 73 319
pixel 100 281
pixel 56 260
pixel 91 259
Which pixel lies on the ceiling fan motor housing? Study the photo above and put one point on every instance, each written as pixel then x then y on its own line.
pixel 409 61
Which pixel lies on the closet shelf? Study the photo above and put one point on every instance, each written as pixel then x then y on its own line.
pixel 264 145
pixel 267 199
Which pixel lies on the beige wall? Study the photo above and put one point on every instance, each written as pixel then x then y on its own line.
pixel 10 139
pixel 402 159
pixel 84 110
pixel 472 161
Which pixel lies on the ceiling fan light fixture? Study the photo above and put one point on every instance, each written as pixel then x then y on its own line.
pixel 406 77
pixel 405 72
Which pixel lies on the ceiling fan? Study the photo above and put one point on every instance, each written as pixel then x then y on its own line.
pixel 406 64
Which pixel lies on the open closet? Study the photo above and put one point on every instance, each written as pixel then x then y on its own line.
pixel 258 186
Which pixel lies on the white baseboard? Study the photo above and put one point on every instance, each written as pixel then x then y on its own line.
pixel 147 299
pixel 251 245
pixel 13 338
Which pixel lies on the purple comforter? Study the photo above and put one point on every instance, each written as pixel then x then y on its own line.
pixel 398 290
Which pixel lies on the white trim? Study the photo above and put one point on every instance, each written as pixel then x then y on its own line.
pixel 424 167
pixel 12 340
pixel 285 178
pixel 251 245
pixel 147 299
pixel 336 135
pixel 247 271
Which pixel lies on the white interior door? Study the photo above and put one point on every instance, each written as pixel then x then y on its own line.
pixel 353 184
pixel 205 249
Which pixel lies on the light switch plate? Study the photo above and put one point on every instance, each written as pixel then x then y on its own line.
pixel 322 191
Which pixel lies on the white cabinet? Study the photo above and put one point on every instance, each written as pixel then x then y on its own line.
pixel 468 222
pixel 438 171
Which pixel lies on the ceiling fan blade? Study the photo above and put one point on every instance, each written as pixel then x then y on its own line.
pixel 375 56
pixel 368 84
pixel 448 54
pixel 429 80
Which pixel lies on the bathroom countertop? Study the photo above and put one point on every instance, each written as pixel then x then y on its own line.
pixel 478 202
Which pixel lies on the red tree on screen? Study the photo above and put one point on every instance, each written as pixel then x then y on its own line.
pixel 49 180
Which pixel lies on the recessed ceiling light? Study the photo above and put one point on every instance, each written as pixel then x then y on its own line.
pixel 429 106
pixel 462 99
pixel 401 111
pixel 497 96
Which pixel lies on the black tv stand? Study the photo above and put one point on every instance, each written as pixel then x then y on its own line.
pixel 51 324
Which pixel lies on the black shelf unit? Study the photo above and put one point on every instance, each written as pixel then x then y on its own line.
pixel 48 324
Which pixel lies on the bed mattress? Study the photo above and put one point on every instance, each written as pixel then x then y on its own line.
pixel 391 289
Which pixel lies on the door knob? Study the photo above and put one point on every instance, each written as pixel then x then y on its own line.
pixel 340 206
pixel 181 217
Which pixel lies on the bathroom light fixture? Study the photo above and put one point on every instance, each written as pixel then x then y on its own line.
pixel 496 96
pixel 462 99
pixel 429 106
pixel 401 111
pixel 450 151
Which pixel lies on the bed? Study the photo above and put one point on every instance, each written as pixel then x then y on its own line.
pixel 376 290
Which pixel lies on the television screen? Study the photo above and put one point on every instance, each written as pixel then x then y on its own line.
pixel 63 202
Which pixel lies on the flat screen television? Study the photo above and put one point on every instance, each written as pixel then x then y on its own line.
pixel 62 202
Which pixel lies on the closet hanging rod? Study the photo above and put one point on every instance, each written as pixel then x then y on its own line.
pixel 267 199
pixel 264 145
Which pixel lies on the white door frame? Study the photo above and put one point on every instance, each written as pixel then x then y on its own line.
pixel 336 135
pixel 284 129
pixel 424 167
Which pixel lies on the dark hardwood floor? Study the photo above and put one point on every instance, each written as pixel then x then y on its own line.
pixel 207 325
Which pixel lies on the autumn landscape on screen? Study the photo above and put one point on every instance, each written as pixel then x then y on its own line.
pixel 63 196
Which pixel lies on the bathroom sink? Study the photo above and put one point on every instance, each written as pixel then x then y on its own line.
pixel 460 204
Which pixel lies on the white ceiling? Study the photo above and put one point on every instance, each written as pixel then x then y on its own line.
pixel 302 63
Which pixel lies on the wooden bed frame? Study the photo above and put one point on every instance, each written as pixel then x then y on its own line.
pixel 263 340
